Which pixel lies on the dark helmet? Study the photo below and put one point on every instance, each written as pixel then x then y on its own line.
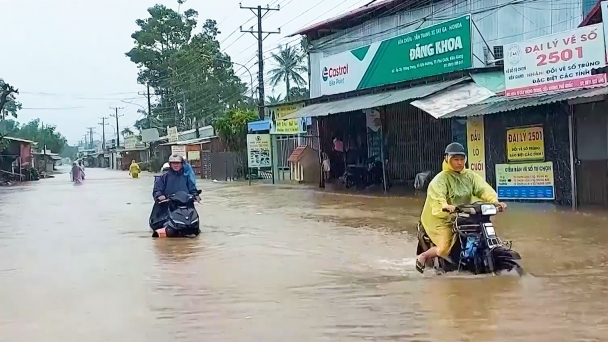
pixel 455 149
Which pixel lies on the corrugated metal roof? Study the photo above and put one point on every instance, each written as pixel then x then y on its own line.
pixel 499 104
pixel 356 13
pixel 188 142
pixel 19 139
pixel 372 100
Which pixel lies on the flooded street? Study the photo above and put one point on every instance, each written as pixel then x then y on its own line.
pixel 280 264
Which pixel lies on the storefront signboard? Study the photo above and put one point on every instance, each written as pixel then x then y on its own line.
pixel 433 50
pixel 172 134
pixel 289 126
pixel 476 145
pixel 258 150
pixel 130 141
pixel 525 144
pixel 194 155
pixel 557 62
pixel 179 150
pixel 525 181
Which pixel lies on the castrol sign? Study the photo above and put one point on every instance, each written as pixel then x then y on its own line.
pixel 557 62
pixel 433 50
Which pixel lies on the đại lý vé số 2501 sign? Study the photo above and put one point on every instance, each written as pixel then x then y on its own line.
pixel 553 63
pixel 433 50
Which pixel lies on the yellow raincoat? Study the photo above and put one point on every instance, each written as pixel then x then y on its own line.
pixel 454 188
pixel 134 169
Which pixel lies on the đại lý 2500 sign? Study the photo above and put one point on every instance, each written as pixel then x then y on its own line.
pixel 434 50
pixel 557 62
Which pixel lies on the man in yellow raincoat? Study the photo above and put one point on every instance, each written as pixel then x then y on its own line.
pixel 453 186
pixel 134 169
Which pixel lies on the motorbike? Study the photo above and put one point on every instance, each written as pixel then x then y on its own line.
pixel 176 215
pixel 363 176
pixel 478 250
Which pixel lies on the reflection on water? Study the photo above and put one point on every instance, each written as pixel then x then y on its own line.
pixel 280 264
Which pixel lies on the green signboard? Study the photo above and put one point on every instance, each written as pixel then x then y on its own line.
pixel 434 50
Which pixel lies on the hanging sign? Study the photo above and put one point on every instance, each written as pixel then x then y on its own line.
pixel 557 62
pixel 179 150
pixel 525 181
pixel 172 134
pixel 525 144
pixel 476 145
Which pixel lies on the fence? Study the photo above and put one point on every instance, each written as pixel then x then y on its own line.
pixel 222 166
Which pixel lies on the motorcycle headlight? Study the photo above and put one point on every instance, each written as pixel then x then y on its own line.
pixel 488 209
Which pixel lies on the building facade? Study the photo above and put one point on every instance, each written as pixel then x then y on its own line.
pixel 435 73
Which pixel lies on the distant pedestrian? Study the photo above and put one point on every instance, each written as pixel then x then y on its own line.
pixel 326 167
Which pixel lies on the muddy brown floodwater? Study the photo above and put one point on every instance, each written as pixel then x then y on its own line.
pixel 280 264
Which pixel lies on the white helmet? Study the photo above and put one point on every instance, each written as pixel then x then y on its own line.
pixel 165 167
pixel 175 158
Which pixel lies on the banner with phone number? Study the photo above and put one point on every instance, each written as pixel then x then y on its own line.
pixel 534 181
pixel 557 62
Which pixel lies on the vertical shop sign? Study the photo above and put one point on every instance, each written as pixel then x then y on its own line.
pixel 476 145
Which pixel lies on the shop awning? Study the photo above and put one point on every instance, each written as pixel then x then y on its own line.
pixel 371 100
pixel 493 80
pixel 453 98
pixel 499 104
pixel 261 125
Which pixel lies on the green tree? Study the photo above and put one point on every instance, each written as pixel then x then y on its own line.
pixel 290 66
pixel 69 151
pixel 192 78
pixel 8 103
pixel 297 93
pixel 126 132
pixel 231 128
pixel 274 99
pixel 34 131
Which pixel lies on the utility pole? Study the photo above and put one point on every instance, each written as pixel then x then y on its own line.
pixel 260 35
pixel 86 142
pixel 90 136
pixel 103 124
pixel 150 151
pixel 148 95
pixel 115 115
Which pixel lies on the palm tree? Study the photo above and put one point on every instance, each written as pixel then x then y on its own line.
pixel 290 61
pixel 126 132
pixel 274 99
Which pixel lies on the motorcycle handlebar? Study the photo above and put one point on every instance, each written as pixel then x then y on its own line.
pixel 461 210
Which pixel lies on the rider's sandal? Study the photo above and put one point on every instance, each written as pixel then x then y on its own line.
pixel 419 267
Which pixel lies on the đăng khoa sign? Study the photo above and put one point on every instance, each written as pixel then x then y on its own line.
pixel 434 50
pixel 525 144
pixel 476 145
pixel 525 181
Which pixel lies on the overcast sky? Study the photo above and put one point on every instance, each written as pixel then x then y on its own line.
pixel 67 57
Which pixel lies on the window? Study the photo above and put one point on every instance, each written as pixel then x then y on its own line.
pixel 587 6
pixel 498 54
